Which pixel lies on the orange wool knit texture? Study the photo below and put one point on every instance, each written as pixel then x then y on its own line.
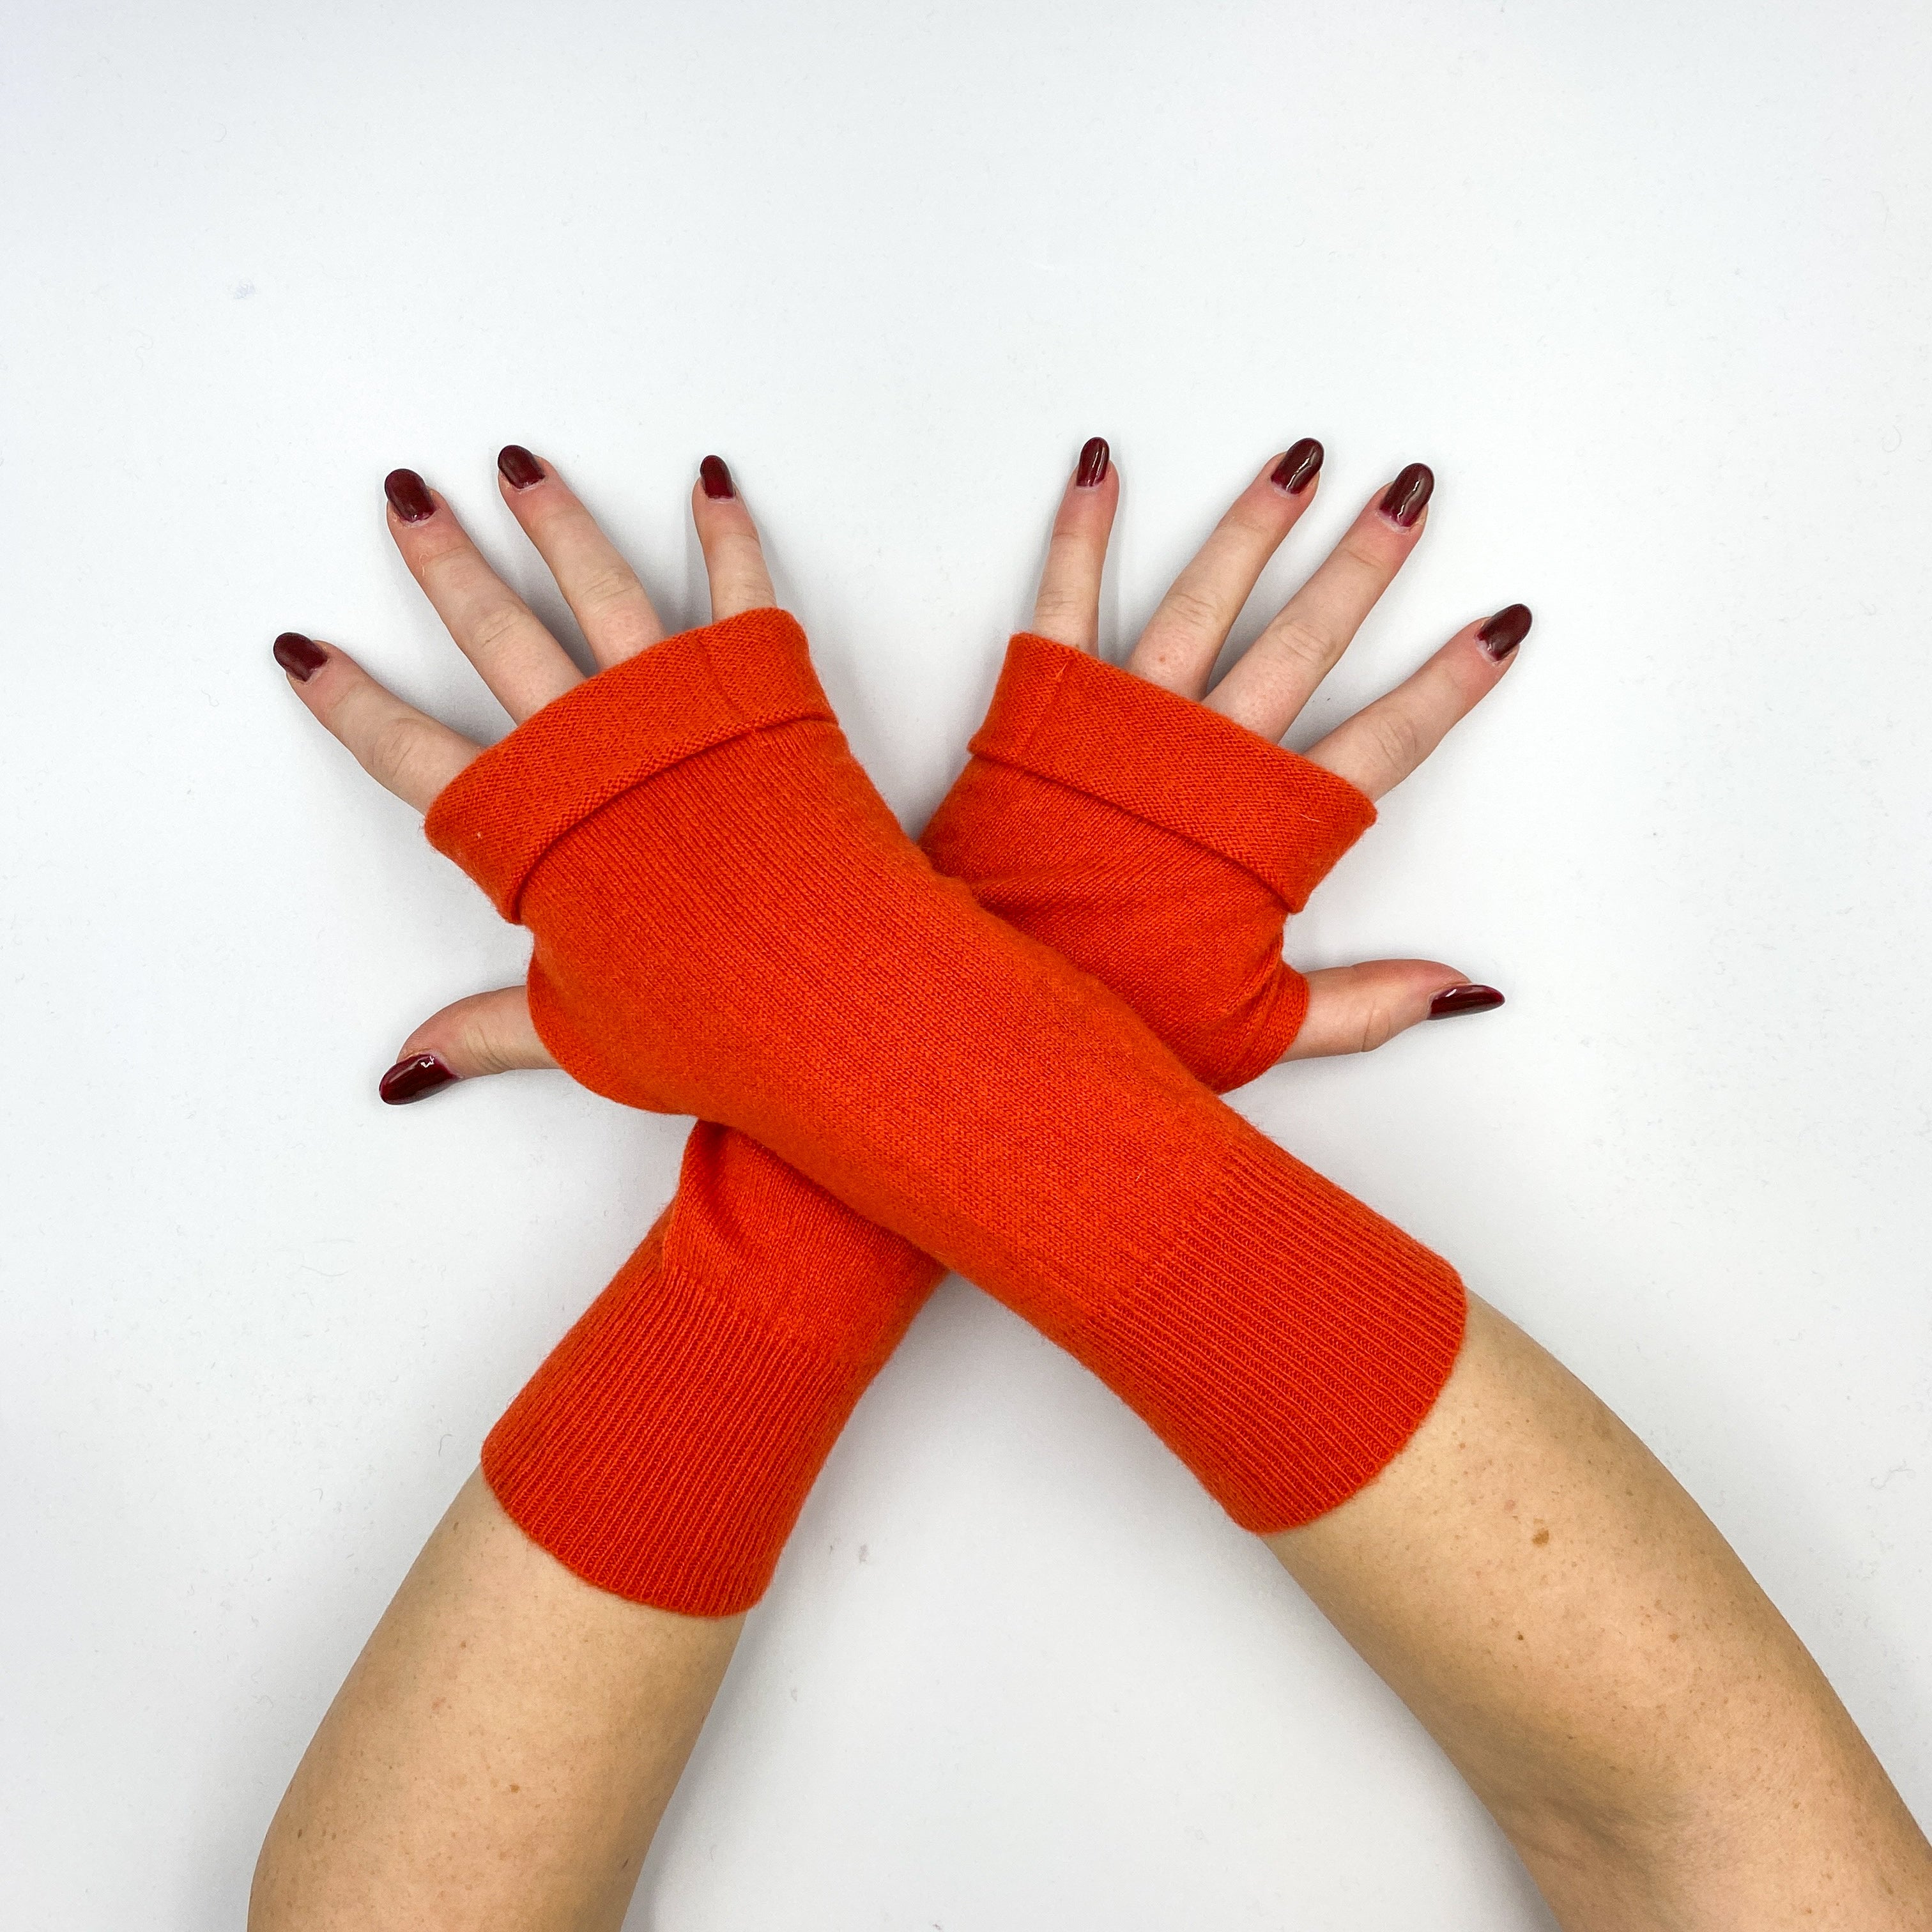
pixel 729 923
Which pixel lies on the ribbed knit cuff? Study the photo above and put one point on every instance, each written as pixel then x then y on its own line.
pixel 664 1450
pixel 1063 715
pixel 1299 1340
pixel 690 693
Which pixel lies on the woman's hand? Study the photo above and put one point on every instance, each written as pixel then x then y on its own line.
pixel 414 756
pixel 1351 1009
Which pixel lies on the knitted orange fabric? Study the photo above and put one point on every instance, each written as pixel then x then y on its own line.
pixel 1153 842
pixel 729 921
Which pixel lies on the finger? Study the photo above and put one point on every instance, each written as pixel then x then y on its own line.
pixel 1378 747
pixel 1067 608
pixel 1356 1009
pixel 734 560
pixel 404 750
pixel 487 1032
pixel 522 665
pixel 601 589
pixel 1278 672
pixel 1184 636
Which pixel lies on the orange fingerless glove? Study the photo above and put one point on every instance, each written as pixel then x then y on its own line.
pixel 728 921
pixel 1155 844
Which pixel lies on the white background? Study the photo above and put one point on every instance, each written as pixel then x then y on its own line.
pixel 1646 284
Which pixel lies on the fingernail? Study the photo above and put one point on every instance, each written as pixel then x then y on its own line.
pixel 409 496
pixel 412 1079
pixel 517 467
pixel 1405 498
pixel 1094 457
pixel 1504 631
pixel 715 477
pixel 1298 468
pixel 301 657
pixel 1454 1000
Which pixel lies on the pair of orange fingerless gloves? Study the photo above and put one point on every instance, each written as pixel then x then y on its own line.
pixel 992 1051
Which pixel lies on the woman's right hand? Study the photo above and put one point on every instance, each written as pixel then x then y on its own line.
pixel 415 756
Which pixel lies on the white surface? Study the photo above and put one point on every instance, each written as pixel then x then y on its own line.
pixel 1648 286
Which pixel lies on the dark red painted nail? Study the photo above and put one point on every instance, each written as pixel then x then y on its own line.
pixel 1504 631
pixel 301 657
pixel 409 496
pixel 1454 1000
pixel 1094 457
pixel 1299 467
pixel 715 477
pixel 412 1079
pixel 1408 496
pixel 519 468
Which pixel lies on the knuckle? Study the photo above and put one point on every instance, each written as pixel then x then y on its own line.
pixel 483 1049
pixel 498 625
pixel 439 549
pixel 1395 739
pixel 1379 1026
pixel 1187 608
pixel 606 588
pixel 1066 618
pixel 1366 551
pixel 1257 519
pixel 394 753
pixel 1302 644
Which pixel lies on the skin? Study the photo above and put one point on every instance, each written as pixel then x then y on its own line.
pixel 1584 1646
pixel 501 1752
pixel 1658 1745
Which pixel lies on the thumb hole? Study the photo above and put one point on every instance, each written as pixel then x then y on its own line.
pixel 487 1032
pixel 1356 1009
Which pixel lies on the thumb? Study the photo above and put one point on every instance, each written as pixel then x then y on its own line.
pixel 1356 1009
pixel 488 1032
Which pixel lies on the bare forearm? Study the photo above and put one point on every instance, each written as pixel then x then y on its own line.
pixel 501 1753
pixel 1598 1662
